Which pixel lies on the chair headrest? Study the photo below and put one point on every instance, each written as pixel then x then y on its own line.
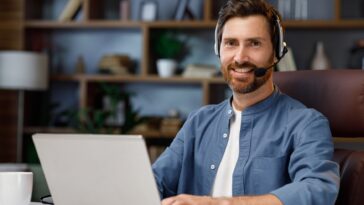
pixel 338 94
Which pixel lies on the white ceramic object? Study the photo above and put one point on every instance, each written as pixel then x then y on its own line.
pixel 166 67
pixel 16 188
pixel 320 60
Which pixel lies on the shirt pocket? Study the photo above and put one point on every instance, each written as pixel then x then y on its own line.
pixel 269 173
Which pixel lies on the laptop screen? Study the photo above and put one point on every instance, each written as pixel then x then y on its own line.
pixel 97 169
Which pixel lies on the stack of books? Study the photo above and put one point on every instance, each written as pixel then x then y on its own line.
pixel 115 64
pixel 292 9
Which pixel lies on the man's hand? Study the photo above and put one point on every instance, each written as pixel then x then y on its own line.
pixel 184 199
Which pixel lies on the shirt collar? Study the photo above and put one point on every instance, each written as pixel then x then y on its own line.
pixel 256 108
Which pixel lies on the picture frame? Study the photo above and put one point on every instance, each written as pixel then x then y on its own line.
pixel 148 10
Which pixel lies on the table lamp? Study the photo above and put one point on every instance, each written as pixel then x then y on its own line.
pixel 21 71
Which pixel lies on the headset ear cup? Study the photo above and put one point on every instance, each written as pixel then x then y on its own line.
pixel 277 47
pixel 284 50
pixel 217 43
pixel 216 49
pixel 280 44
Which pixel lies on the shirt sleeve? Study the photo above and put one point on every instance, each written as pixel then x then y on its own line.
pixel 167 168
pixel 315 177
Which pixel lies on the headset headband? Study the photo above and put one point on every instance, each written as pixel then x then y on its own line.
pixel 281 47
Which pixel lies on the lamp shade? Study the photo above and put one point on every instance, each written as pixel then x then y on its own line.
pixel 21 70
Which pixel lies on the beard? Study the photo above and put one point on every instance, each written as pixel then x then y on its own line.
pixel 244 85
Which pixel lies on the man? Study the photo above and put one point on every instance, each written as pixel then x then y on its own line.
pixel 258 147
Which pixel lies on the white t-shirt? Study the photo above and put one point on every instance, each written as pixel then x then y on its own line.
pixel 223 184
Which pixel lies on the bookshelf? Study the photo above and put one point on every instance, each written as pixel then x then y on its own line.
pixel 37 28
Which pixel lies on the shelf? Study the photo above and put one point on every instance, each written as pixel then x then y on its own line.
pixel 145 133
pixel 137 79
pixel 67 77
pixel 321 24
pixel 61 130
pixel 294 24
pixel 181 24
pixel 44 24
pixel 348 139
pixel 81 24
pixel 67 130
pixel 154 134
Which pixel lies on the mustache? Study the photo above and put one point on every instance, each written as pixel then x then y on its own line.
pixel 242 65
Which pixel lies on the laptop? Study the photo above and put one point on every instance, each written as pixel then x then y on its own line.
pixel 85 169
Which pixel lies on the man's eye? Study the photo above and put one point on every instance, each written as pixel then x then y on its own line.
pixel 230 43
pixel 255 43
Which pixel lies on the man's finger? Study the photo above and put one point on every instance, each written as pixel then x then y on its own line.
pixel 168 201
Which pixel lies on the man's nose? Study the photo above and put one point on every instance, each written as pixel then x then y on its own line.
pixel 241 55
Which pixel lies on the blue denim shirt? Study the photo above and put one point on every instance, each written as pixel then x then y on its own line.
pixel 285 149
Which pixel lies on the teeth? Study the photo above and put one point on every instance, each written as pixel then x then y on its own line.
pixel 243 70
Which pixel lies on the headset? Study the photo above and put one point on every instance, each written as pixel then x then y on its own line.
pixel 281 46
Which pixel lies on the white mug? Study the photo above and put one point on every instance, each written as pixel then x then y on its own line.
pixel 16 188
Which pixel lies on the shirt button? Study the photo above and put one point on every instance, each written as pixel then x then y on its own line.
pixel 212 166
pixel 230 111
pixel 225 135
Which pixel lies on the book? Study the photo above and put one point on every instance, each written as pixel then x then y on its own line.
pixel 124 10
pixel 183 10
pixel 301 9
pixel 287 63
pixel 70 10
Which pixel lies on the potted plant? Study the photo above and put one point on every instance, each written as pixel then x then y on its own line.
pixel 169 48
pixel 107 119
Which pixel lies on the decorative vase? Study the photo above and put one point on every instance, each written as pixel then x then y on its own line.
pixel 166 67
pixel 320 60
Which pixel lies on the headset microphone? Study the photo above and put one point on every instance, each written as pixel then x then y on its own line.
pixel 260 72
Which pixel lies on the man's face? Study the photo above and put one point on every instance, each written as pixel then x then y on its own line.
pixel 246 45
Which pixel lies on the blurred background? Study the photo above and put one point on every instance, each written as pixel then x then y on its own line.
pixel 105 63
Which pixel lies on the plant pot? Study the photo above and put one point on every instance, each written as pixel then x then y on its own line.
pixel 166 67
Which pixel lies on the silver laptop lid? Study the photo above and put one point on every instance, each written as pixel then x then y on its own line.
pixel 97 169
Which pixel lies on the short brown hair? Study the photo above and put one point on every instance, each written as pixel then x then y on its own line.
pixel 244 8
